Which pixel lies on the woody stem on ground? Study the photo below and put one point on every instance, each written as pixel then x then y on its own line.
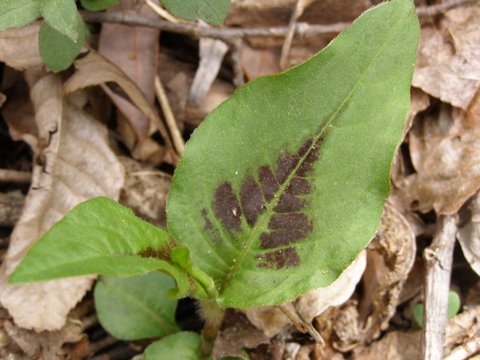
pixel 230 34
pixel 438 260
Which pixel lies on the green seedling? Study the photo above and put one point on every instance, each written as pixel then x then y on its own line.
pixel 277 192
pixel 454 304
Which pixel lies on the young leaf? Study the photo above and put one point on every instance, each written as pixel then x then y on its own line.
pixel 136 307
pixel 18 13
pixel 57 50
pixel 182 345
pixel 62 15
pixel 98 5
pixel 100 236
pixel 454 305
pixel 212 11
pixel 284 183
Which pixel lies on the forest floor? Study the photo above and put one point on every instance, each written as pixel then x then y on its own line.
pixel 414 257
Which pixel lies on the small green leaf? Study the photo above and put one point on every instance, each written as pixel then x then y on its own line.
pixel 284 183
pixel 100 236
pixel 57 50
pixel 62 15
pixel 136 307
pixel 212 11
pixel 18 13
pixel 98 5
pixel 454 304
pixel 182 345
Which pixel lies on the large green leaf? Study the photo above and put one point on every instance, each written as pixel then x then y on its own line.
pixel 136 307
pixel 18 13
pixel 212 11
pixel 61 15
pixel 100 236
pixel 284 183
pixel 183 345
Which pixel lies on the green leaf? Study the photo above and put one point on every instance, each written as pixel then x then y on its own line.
pixel 98 5
pixel 100 236
pixel 18 13
pixel 212 11
pixel 136 307
pixel 284 183
pixel 454 304
pixel 57 50
pixel 62 15
pixel 182 345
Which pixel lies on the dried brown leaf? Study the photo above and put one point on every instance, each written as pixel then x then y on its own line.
pixel 145 191
pixel 73 162
pixel 448 65
pixel 469 235
pixel 237 334
pixel 135 51
pixel 46 345
pixel 390 258
pixel 396 345
pixel 19 47
pixel 258 62
pixel 445 152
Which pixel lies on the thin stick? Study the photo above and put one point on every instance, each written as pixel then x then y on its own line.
pixel 177 139
pixel 300 323
pixel 438 260
pixel 13 176
pixel 438 9
pixel 287 43
pixel 227 34
pixel 230 34
pixel 164 14
pixel 466 350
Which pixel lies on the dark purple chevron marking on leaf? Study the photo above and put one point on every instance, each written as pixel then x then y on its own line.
pixel 251 199
pixel 288 223
pixel 227 209
pixel 279 259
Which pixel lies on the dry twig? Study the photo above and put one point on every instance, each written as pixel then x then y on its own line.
pixel 13 176
pixel 438 260
pixel 287 44
pixel 230 34
pixel 177 139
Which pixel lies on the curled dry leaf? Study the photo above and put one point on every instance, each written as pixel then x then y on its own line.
pixel 134 50
pixel 399 345
pixel 94 69
pixel 389 260
pixel 445 152
pixel 271 320
pixel 469 235
pixel 19 47
pixel 73 162
pixel 212 52
pixel 46 345
pixel 448 65
pixel 177 77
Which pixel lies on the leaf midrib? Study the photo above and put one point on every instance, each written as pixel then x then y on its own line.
pixel 267 214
